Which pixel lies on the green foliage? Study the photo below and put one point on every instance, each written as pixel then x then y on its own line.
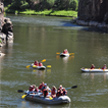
pixel 61 4
pixel 19 5
pixel 73 5
pixel 44 4
pixel 40 5
pixel 52 13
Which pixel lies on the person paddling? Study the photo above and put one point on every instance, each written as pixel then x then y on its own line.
pixel 36 63
pixel 53 92
pixel 65 51
pixel 93 66
pixel 40 64
pixel 104 67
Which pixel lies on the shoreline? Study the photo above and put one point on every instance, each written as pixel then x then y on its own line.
pixel 60 13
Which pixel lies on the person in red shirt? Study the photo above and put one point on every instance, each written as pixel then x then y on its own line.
pixel 59 91
pixel 40 64
pixel 64 92
pixel 65 51
pixel 93 66
pixel 36 63
pixel 53 92
pixel 41 86
pixel 104 67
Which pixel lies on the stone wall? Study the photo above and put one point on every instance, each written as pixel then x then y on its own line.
pixel 6 27
pixel 93 13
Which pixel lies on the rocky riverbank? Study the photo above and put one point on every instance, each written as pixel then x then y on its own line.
pixel 93 13
pixel 6 28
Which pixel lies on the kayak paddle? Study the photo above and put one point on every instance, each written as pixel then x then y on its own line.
pixel 72 87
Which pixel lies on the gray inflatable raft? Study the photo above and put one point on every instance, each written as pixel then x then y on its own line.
pixel 54 101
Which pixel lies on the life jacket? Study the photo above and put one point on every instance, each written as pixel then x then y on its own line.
pixel 40 64
pixel 36 63
pixel 92 67
pixel 45 92
pixel 59 93
pixel 64 92
pixel 37 90
pixel 31 88
pixel 53 92
pixel 104 67
pixel 40 87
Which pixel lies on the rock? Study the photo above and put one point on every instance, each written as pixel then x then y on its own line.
pixel 93 13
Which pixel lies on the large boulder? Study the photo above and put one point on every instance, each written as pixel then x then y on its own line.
pixel 93 10
pixel 6 26
pixel 93 13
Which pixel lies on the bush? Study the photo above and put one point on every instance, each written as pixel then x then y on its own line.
pixel 73 5
pixel 19 5
pixel 61 5
pixel 44 4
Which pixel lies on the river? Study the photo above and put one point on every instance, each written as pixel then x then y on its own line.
pixel 41 37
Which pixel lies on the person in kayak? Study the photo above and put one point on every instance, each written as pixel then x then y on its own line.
pixel 92 66
pixel 36 63
pixel 64 92
pixel 36 89
pixel 41 86
pixel 65 51
pixel 32 88
pixel 59 91
pixel 53 92
pixel 45 90
pixel 40 64
pixel 104 67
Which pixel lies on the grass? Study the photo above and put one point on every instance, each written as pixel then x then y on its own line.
pixel 62 13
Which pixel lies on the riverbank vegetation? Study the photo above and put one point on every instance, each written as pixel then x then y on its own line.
pixel 42 7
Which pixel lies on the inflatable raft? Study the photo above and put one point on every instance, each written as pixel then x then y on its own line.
pixel 50 101
pixel 1 54
pixel 93 70
pixel 38 67
pixel 64 55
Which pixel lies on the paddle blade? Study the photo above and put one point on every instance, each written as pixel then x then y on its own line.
pixel 71 54
pixel 49 66
pixel 23 96
pixel 20 91
pixel 34 66
pixel 58 53
pixel 28 66
pixel 50 98
pixel 44 60
pixel 74 86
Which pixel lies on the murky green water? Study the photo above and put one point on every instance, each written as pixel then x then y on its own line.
pixel 38 38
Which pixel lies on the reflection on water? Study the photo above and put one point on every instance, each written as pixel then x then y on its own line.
pixel 94 75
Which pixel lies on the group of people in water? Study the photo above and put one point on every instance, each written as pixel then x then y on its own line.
pixel 93 66
pixel 46 91
pixel 38 63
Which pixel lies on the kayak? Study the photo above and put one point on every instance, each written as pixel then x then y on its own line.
pixel 93 70
pixel 2 54
pixel 64 55
pixel 38 67
pixel 50 101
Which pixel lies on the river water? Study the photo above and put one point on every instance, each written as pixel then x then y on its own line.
pixel 41 37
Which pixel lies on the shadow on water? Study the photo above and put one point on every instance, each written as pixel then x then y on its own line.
pixel 85 28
